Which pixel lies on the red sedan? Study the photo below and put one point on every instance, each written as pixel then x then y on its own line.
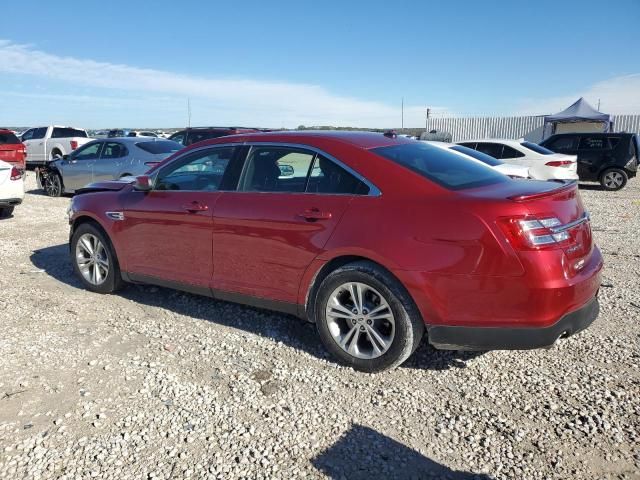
pixel 376 239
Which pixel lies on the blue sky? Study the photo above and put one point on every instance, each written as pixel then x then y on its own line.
pixel 102 64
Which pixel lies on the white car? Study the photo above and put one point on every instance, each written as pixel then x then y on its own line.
pixel 543 163
pixel 11 188
pixel 513 171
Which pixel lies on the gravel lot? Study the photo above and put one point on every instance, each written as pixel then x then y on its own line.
pixel 153 383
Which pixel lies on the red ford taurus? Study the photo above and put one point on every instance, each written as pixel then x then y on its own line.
pixel 376 239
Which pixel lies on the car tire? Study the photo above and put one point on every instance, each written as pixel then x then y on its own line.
pixel 52 184
pixel 89 238
pixel 613 179
pixel 6 212
pixel 382 330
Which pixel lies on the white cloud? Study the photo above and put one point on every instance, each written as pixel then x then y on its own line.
pixel 618 95
pixel 233 100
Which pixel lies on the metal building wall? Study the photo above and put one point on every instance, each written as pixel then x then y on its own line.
pixel 510 127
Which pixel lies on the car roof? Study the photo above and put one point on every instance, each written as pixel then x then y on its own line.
pixel 133 139
pixel 365 140
pixel 594 134
pixel 504 141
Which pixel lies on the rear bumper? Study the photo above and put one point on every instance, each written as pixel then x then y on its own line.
pixel 505 338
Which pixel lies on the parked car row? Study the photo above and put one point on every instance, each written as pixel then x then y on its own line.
pixel 376 238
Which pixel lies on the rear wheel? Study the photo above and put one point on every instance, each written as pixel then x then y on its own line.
pixel 52 184
pixel 94 260
pixel 613 179
pixel 6 212
pixel 366 319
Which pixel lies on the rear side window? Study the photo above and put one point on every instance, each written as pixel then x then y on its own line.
pixel 445 168
pixel 8 138
pixel 537 148
pixel 508 152
pixel 67 133
pixel 593 143
pixel 613 142
pixel 564 144
pixel 162 146
pixel 113 150
pixel 177 137
pixel 328 177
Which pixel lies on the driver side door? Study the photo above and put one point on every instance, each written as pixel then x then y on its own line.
pixel 77 168
pixel 168 231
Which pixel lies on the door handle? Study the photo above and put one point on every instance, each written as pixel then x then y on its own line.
pixel 313 214
pixel 195 207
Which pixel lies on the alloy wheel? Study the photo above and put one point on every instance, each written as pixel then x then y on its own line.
pixel 360 320
pixel 613 179
pixel 92 259
pixel 52 185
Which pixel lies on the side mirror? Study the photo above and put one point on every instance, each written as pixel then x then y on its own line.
pixel 142 183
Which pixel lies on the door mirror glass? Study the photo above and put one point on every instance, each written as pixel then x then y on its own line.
pixel 142 183
pixel 286 171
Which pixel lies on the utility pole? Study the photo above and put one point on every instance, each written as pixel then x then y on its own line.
pixel 188 112
pixel 402 126
pixel 426 125
pixel 598 104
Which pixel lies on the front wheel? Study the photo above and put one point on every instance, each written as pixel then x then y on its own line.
pixel 613 179
pixel 52 184
pixel 366 319
pixel 94 260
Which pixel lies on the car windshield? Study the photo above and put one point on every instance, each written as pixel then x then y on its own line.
pixel 445 168
pixel 483 157
pixel 162 146
pixel 537 148
pixel 8 138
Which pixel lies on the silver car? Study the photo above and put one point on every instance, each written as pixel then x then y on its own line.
pixel 104 159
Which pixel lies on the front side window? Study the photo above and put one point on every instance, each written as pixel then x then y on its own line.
pixel 276 169
pixel 200 171
pixel 39 133
pixel 196 136
pixel 330 178
pixel 88 152
pixel 177 137
pixel 59 132
pixel 113 150
pixel 483 157
pixel 508 152
pixel 28 135
pixel 447 169
pixel 564 144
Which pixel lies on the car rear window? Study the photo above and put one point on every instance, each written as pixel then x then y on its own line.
pixel 162 146
pixel 8 138
pixel 67 133
pixel 483 157
pixel 537 148
pixel 445 168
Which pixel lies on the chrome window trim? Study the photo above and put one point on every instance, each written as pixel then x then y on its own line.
pixel 374 191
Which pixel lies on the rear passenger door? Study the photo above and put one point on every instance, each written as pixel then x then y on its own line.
pixel 110 165
pixel 593 153
pixel 288 202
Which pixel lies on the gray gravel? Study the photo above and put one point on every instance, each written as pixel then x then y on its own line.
pixel 153 383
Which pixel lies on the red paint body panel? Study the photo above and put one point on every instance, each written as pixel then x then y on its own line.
pixel 446 247
pixel 13 153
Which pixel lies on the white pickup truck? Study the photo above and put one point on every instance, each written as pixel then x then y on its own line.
pixel 44 144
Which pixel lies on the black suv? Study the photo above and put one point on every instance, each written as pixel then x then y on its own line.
pixel 609 158
pixel 197 134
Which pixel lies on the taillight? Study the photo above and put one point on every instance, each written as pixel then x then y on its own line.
pixel 532 233
pixel 16 174
pixel 559 163
pixel 74 144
